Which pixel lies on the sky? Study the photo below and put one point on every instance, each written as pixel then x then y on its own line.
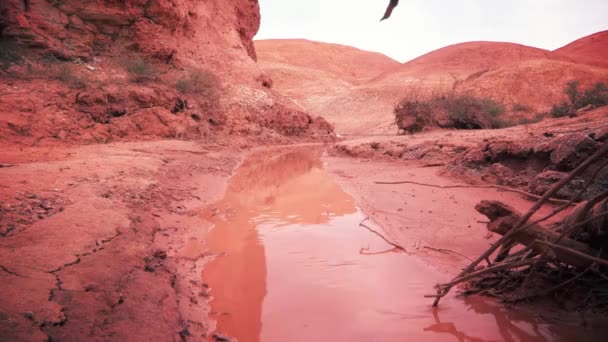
pixel 420 26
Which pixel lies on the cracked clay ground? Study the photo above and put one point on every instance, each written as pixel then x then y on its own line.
pixel 103 242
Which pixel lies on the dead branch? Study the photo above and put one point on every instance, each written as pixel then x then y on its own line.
pixel 488 186
pixel 503 220
pixel 2 165
pixel 558 286
pixel 590 259
pixel 441 292
pixel 444 250
pixel 496 268
pixel 399 247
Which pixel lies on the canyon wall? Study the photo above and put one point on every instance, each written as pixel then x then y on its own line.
pixel 99 71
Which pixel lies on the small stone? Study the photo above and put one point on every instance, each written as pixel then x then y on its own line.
pixel 29 315
pixel 91 68
pixel 91 286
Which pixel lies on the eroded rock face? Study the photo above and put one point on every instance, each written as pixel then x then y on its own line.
pixel 99 71
pixel 164 28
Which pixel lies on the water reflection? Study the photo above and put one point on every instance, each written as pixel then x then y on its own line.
pixel 293 265
pixel 274 189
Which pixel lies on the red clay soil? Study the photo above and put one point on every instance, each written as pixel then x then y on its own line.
pixel 105 241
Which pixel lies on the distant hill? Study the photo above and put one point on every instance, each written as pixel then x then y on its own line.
pixel 592 50
pixel 356 90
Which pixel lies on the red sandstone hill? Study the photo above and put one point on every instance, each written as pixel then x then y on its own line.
pixel 459 61
pixel 592 50
pixel 507 72
pixel 344 62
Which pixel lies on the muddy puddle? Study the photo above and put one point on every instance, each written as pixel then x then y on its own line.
pixel 294 265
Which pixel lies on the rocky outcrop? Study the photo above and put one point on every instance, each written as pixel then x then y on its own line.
pixel 166 29
pixel 98 71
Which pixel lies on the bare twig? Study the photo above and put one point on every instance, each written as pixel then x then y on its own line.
pixel 2 165
pixel 489 186
pixel 497 267
pixel 444 250
pixel 582 255
pixel 381 236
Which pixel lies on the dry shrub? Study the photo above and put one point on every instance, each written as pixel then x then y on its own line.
pixel 141 69
pixel 65 74
pixel 9 54
pixel 596 96
pixel 462 111
pixel 203 83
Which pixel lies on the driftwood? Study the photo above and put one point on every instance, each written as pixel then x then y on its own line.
pixel 521 223
pixel 537 237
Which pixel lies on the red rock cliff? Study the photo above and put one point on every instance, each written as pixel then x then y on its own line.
pixel 84 50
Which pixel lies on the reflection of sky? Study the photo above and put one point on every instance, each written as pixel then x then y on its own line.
pixel 420 26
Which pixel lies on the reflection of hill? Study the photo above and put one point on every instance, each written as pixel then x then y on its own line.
pixel 290 187
pixel 273 187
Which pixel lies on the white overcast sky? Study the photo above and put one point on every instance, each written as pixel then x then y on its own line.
pixel 420 26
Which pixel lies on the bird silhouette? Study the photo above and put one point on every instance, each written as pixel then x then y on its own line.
pixel 389 9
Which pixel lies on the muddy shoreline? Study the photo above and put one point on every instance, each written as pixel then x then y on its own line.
pixel 120 257
pixel 110 241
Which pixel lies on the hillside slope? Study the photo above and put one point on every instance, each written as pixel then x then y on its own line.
pixel 592 50
pixel 510 73
pixel 343 62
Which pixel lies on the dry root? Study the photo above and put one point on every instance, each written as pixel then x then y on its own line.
pixel 565 261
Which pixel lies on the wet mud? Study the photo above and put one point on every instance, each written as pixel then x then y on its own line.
pixel 292 264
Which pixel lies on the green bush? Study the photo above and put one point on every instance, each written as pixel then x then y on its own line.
pixel 466 110
pixel 559 111
pixel 596 96
pixel 463 111
pixel 141 69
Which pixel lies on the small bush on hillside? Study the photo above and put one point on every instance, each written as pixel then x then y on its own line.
pixel 464 109
pixel 141 69
pixel 65 74
pixel 520 107
pixel 8 54
pixel 463 112
pixel 596 96
pixel 203 83
pixel 413 116
pixel 560 111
